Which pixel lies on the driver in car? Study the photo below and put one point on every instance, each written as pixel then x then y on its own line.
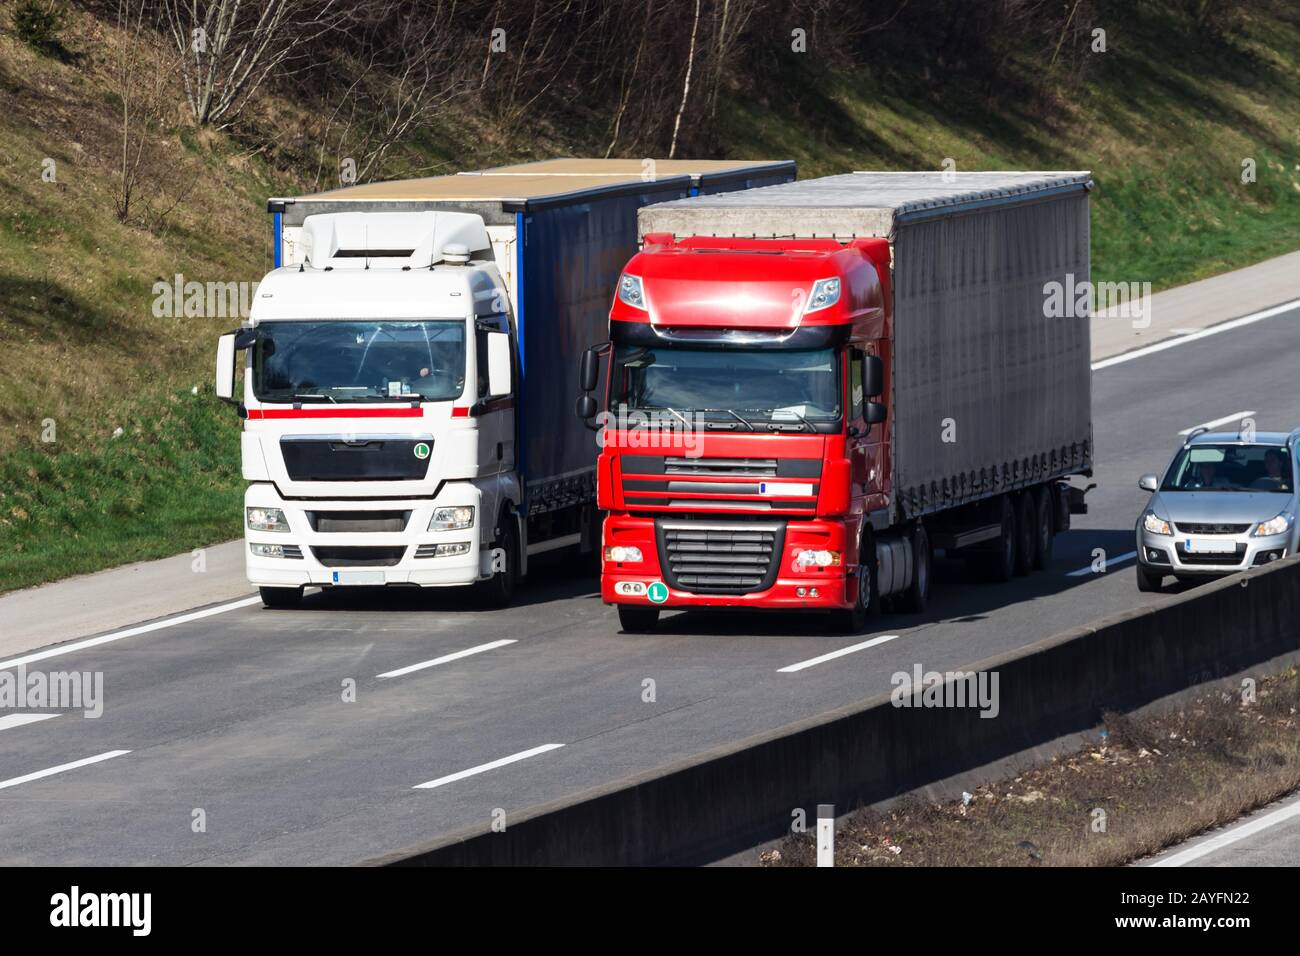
pixel 1207 476
pixel 1272 479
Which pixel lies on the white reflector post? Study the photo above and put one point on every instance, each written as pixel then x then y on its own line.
pixel 825 834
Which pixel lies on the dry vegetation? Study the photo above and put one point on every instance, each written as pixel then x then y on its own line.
pixel 1157 779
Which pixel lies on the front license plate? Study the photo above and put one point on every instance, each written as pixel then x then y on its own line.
pixel 1210 546
pixel 358 577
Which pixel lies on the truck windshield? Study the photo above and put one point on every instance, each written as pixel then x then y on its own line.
pixel 749 385
pixel 1230 468
pixel 359 361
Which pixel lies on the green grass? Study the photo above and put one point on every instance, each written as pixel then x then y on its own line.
pixel 168 484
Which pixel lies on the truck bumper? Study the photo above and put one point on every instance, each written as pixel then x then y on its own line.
pixel 313 557
pixel 812 589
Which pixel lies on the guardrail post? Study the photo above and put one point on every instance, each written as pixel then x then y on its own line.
pixel 825 834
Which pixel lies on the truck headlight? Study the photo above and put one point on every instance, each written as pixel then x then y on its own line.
pixel 451 550
pixel 1274 525
pixel 629 291
pixel 1155 525
pixel 623 554
pixel 816 558
pixel 452 519
pixel 825 293
pixel 266 550
pixel 266 519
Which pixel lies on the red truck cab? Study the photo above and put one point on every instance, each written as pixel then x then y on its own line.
pixel 742 449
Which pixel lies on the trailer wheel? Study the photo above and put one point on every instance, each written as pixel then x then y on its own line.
pixel 1003 565
pixel 284 599
pixel 499 590
pixel 866 603
pixel 1026 538
pixel 637 620
pixel 1045 527
pixel 914 599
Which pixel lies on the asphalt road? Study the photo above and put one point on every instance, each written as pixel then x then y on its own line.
pixel 242 714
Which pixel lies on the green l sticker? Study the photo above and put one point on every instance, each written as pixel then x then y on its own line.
pixel 422 450
pixel 657 592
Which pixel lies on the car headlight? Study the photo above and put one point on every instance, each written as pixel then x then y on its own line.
pixel 629 291
pixel 452 519
pixel 623 554
pixel 1275 525
pixel 817 558
pixel 266 519
pixel 825 293
pixel 1155 525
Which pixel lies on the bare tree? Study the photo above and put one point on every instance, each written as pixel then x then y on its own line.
pixel 230 48
pixel 140 76
pixel 686 83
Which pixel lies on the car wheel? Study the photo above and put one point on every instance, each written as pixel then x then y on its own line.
pixel 637 620
pixel 1044 526
pixel 1026 521
pixel 1148 581
pixel 499 590
pixel 284 599
pixel 914 599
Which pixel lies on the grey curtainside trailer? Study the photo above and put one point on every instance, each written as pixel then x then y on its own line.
pixel 991 390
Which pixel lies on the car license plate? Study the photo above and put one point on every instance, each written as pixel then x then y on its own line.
pixel 358 577
pixel 1210 546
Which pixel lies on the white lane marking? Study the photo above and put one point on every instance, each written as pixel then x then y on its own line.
pixel 1217 422
pixel 62 649
pixel 483 768
pixel 1229 837
pixel 1118 559
pixel 445 659
pixel 1203 333
pixel 814 661
pixel 27 778
pixel 19 720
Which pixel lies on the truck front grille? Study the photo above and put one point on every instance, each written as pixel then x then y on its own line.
pixel 345 458
pixel 720 557
pixel 722 467
pixel 367 557
pixel 358 522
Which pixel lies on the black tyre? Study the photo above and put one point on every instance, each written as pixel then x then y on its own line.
pixel 283 599
pixel 866 603
pixel 637 620
pixel 914 599
pixel 1026 538
pixel 1045 526
pixel 1002 566
pixel 499 590
pixel 1147 580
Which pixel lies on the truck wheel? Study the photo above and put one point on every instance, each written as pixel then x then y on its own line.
pixel 1026 521
pixel 499 590
pixel 914 599
pixel 1148 582
pixel 866 603
pixel 1003 565
pixel 637 620
pixel 1045 527
pixel 285 599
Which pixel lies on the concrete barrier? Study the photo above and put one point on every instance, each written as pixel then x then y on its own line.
pixel 739 796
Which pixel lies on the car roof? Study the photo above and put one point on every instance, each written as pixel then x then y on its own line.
pixel 1234 438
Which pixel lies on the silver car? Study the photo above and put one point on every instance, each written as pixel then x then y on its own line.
pixel 1226 503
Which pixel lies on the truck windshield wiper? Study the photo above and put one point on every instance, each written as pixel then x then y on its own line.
pixel 772 412
pixel 728 411
pixel 328 398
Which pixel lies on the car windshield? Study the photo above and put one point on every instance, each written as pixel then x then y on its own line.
pixel 359 361
pixel 732 384
pixel 1230 468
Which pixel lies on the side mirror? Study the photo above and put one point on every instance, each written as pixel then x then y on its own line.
pixel 874 413
pixel 585 408
pixel 589 370
pixel 224 384
pixel 1149 483
pixel 873 376
pixel 498 358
